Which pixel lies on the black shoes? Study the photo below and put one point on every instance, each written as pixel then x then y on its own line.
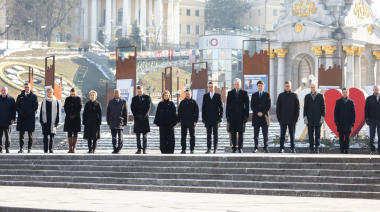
pixel 373 152
pixel 316 150
pixel 293 151
pixel 51 151
pixel 144 151
pixel 45 152
pixel 311 151
pixel 208 152
pixel 114 152
pixel 138 152
pixel 240 151
pixel 342 151
pixel 21 151
pixel 233 151
pixel 346 151
pixel 7 151
pixel 281 151
pixel 215 151
pixel 29 151
pixel 255 151
pixel 266 150
pixel 192 151
pixel 183 152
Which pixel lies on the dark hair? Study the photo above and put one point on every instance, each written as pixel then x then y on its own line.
pixel 345 89
pixel 73 90
pixel 138 87
pixel 288 82
pixel 260 82
pixel 211 83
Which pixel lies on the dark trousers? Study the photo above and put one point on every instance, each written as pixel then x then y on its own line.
pixel 72 134
pixel 22 139
pixel 145 140
pixel 167 139
pixel 214 131
pixel 92 144
pixel 373 126
pixel 48 144
pixel 316 141
pixel 264 130
pixel 7 133
pixel 119 134
pixel 344 140
pixel 292 131
pixel 184 134
pixel 240 142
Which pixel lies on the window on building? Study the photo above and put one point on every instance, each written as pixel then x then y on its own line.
pixel 187 45
pixel 180 11
pixel 196 12
pixel 180 28
pixel 120 15
pixel 258 12
pixel 258 28
pixel 197 30
pixel 249 14
pixel 188 12
pixel 69 21
pixel 68 37
pixel 274 12
pixel 188 29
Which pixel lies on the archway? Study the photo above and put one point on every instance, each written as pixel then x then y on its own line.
pixel 119 34
pixel 365 73
pixel 302 67
pixel 101 37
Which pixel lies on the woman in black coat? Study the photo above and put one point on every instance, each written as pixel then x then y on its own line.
pixel 92 119
pixel 49 119
pixel 166 119
pixel 73 106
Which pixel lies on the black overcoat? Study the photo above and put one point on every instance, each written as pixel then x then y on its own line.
pixel 166 114
pixel 237 110
pixel 73 106
pixel 212 109
pixel 26 105
pixel 314 109
pixel 288 108
pixel 7 111
pixel 188 112
pixel 140 111
pixel 92 119
pixel 344 115
pixel 263 105
pixel 117 114
pixel 372 108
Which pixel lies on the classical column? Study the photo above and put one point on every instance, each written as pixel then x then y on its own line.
pixel 317 52
pixel 150 12
pixel 114 12
pixel 137 11
pixel 329 51
pixel 143 17
pixel 100 12
pixel 84 13
pixel 93 20
pixel 358 72
pixel 157 20
pixel 176 22
pixel 108 22
pixel 272 78
pixel 377 54
pixel 350 80
pixel 126 17
pixel 281 68
pixel 170 22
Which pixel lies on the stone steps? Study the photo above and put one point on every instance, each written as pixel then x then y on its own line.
pixel 344 176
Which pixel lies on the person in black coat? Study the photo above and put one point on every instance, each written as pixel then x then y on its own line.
pixel 260 105
pixel 117 119
pixel 73 107
pixel 140 107
pixel 7 118
pixel 344 117
pixel 372 118
pixel 314 111
pixel 26 107
pixel 166 119
pixel 188 116
pixel 237 113
pixel 92 119
pixel 288 112
pixel 49 119
pixel 212 114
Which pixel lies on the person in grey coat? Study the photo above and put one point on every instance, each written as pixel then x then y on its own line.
pixel 117 118
pixel 7 118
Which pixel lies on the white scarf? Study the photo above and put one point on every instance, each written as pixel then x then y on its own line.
pixel 54 103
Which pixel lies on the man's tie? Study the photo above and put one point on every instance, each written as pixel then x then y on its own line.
pixel 260 95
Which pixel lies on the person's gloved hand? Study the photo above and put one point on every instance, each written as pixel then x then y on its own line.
pixel 322 120
pixel 305 120
pixel 367 121
pixel 352 124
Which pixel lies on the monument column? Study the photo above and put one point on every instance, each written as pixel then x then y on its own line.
pixel 143 18
pixel 281 68
pixel 108 22
pixel 317 52
pixel 126 17
pixel 157 20
pixel 350 81
pixel 150 8
pixel 93 20
pixel 357 70
pixel 272 78
pixel 377 54
pixel 329 51
pixel 169 19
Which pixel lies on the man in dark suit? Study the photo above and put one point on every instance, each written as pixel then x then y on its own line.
pixel 372 118
pixel 237 113
pixel 288 112
pixel 314 111
pixel 7 118
pixel 260 105
pixel 212 114
pixel 344 117
pixel 140 107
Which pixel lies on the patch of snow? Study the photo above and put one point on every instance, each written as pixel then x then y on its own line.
pixel 97 65
pixel 18 68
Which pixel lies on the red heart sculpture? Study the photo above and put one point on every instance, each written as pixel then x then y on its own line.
pixel 359 97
